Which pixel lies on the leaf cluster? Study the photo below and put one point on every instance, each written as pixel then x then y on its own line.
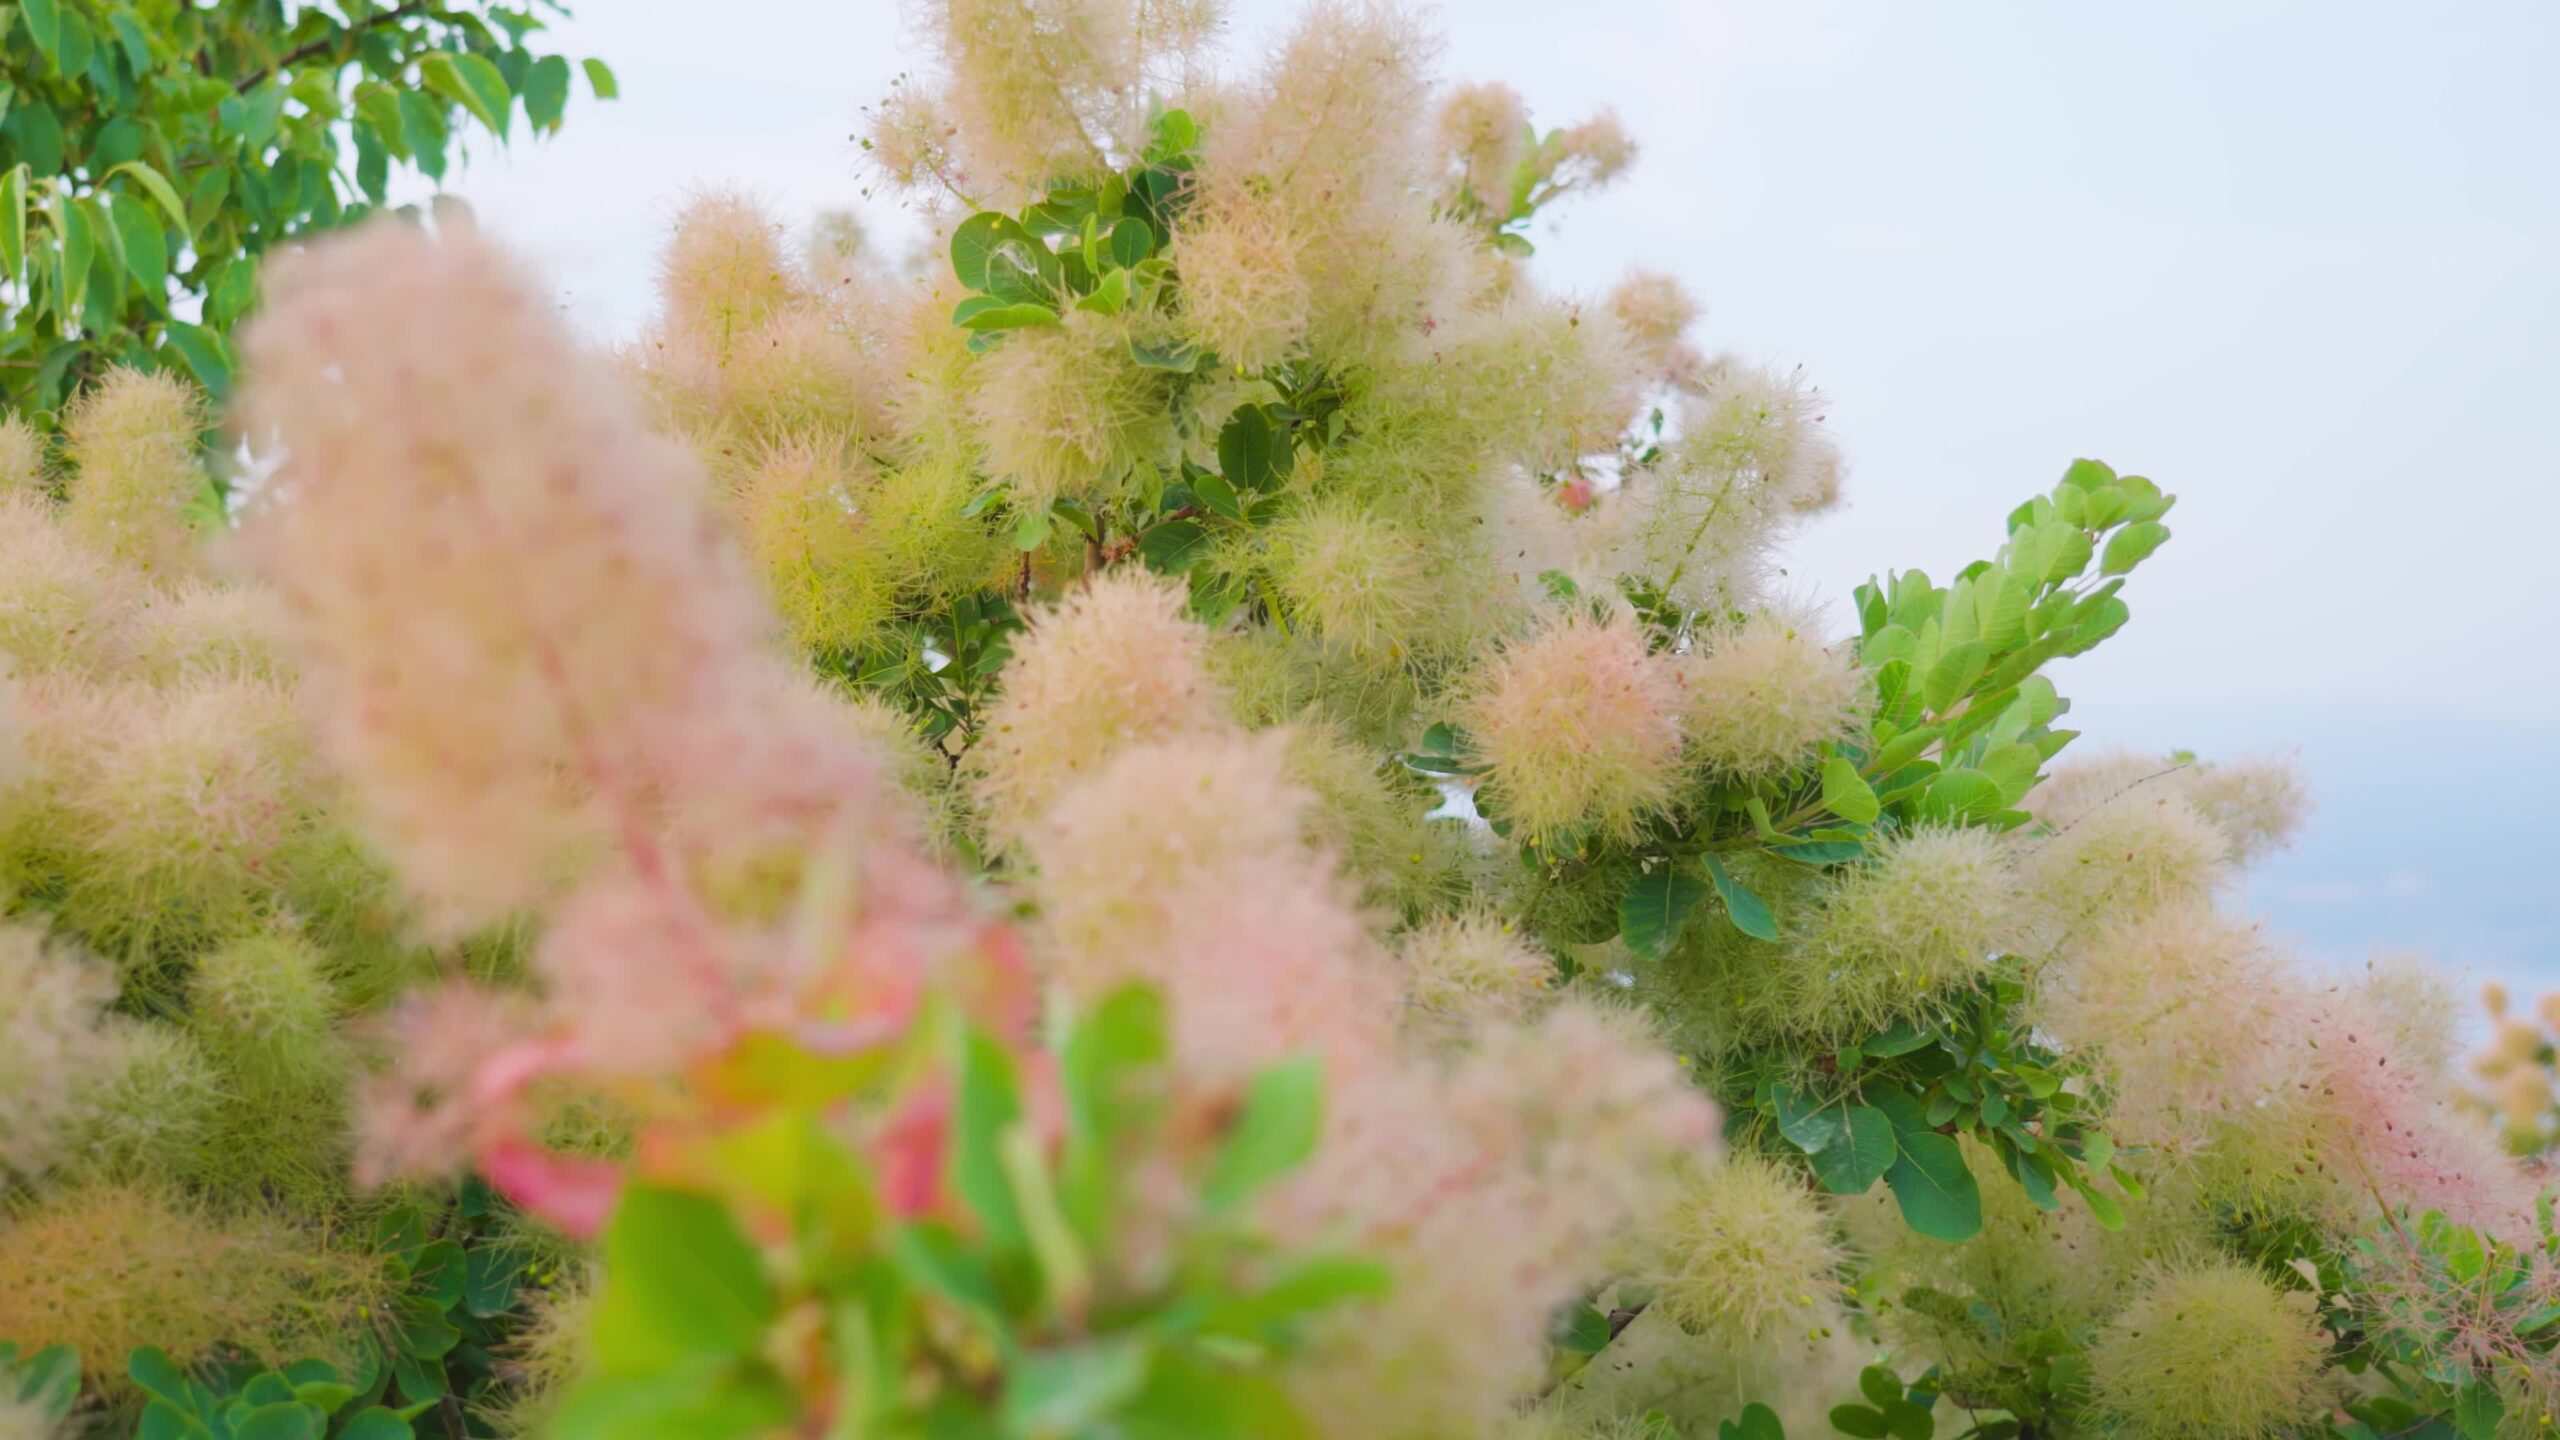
pixel 795 1269
pixel 1094 248
pixel 151 152
pixel 1890 1107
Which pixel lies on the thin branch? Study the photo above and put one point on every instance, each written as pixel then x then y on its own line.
pixel 326 43
pixel 1122 548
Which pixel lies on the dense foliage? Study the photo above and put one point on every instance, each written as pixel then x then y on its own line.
pixel 151 151
pixel 1199 815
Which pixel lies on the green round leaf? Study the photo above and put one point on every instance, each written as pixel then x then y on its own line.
pixel 1859 1420
pixel 1253 453
pixel 471 82
pixel 1881 1386
pixel 375 1423
pixel 685 1283
pixel 546 92
pixel 1845 794
pixel 1283 1114
pixel 1860 1156
pixel 1130 241
pixel 146 250
pixel 1656 908
pixel 1907 1421
pixel 1748 912
pixel 151 1368
pixel 289 1420
pixel 2132 545
pixel 1935 1191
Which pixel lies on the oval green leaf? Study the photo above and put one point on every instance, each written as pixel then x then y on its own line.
pixel 1845 793
pixel 1859 1158
pixel 1935 1191
pixel 1748 912
pixel 1283 1115
pixel 685 1283
pixel 1864 1422
pixel 1655 909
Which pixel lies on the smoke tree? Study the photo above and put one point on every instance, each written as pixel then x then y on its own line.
pixel 1197 813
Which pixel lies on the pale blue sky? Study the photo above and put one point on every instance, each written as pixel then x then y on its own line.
pixel 2300 263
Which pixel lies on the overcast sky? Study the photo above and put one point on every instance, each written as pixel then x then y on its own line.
pixel 2299 263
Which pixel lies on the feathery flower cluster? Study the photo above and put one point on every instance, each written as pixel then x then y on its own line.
pixel 133 438
pixel 1552 380
pixel 61 604
pixel 640 752
pixel 1484 133
pixel 1764 428
pixel 2211 1352
pixel 784 376
pixel 1467 969
pixel 1053 89
pixel 263 1010
pixel 2384 1125
pixel 22 461
pixel 907 140
pixel 1749 459
pixel 2281 1090
pixel 160 811
pixel 1361 579
pixel 1928 913
pixel 1581 726
pixel 1152 854
pixel 1592 153
pixel 750 347
pixel 1245 294
pixel 1763 693
pixel 156 1116
pixel 55 1046
pixel 185 801
pixel 723 277
pixel 2258 805
pixel 1066 411
pixel 202 630
pixel 1656 313
pixel 1114 661
pixel 1747 1253
pixel 107 1269
pixel 2184 1007
pixel 799 523
pixel 2143 848
pixel 582 597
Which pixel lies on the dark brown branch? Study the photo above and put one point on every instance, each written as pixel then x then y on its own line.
pixel 326 43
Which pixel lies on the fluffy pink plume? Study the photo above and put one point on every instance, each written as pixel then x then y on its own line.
pixel 2391 1126
pixel 1581 725
pixel 539 660
pixel 506 591
pixel 1493 1175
